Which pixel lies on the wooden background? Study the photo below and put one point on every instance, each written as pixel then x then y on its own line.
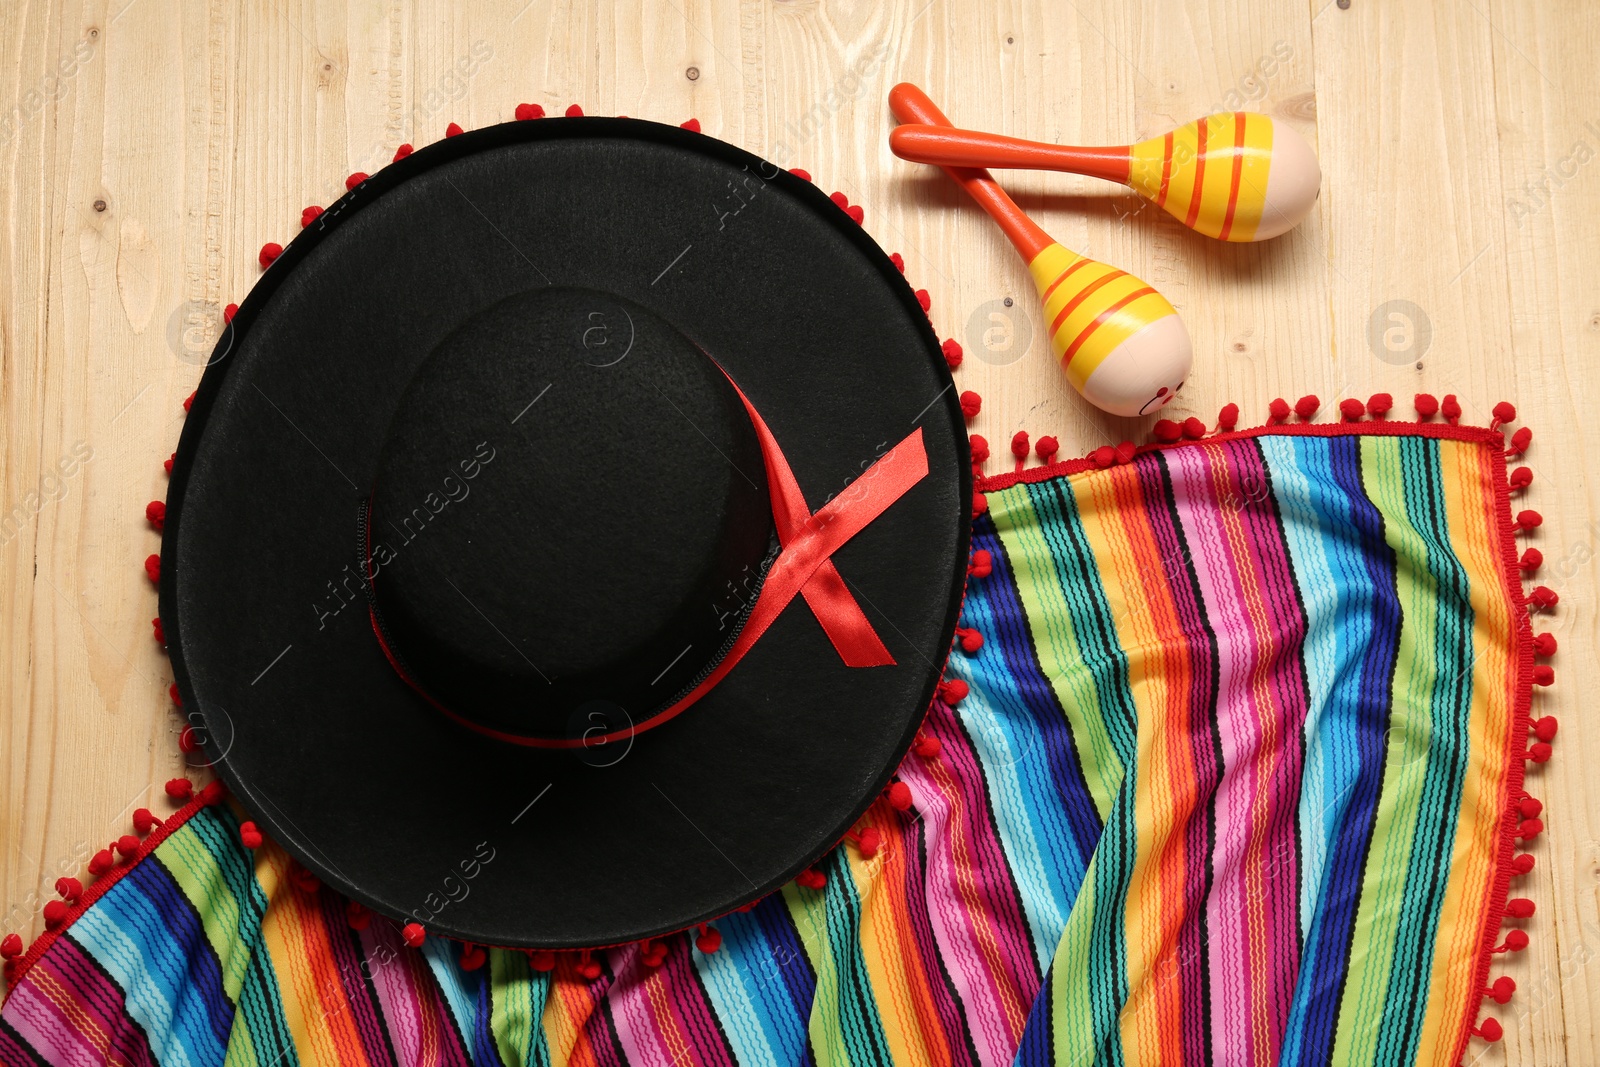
pixel 149 147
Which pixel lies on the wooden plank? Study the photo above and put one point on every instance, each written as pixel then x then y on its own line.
pixel 1547 120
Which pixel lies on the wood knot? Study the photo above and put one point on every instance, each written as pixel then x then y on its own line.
pixel 1302 106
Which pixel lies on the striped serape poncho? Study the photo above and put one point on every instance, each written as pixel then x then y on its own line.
pixel 1235 780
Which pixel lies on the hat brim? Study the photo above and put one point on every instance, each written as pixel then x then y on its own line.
pixel 356 776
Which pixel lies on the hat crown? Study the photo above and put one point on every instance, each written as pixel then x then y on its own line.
pixel 570 518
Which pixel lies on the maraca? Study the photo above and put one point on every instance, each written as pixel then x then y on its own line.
pixel 1122 345
pixel 1235 176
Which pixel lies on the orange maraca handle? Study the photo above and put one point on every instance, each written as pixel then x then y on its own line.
pixel 910 104
pixel 948 147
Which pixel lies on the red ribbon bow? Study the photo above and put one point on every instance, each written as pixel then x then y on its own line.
pixel 865 499
pixel 805 564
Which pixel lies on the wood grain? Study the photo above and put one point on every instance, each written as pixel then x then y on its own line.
pixel 149 148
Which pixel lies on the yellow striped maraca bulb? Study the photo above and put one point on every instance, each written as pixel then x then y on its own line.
pixel 1122 345
pixel 1235 175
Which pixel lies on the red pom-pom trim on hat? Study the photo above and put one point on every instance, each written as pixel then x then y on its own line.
pixel 1544 675
pixel 175 696
pixel 357 915
pixel 1502 412
pixel 1529 807
pixel 1166 431
pixel 980 504
pixel 186 740
pixel 188 402
pixel 1193 428
pixel 413 935
pixel 710 939
pixel 924 300
pixel 1046 448
pixel 11 946
pixel 969 639
pixel 693 125
pixel 403 151
pixel 1544 645
pixel 978 445
pixel 1545 729
pixel 1528 829
pixel 69 889
pixel 900 798
pixel 1490 1030
pixel 1450 408
pixel 173 458
pixel 473 957
pixel 152 567
pixel 868 840
pixel 269 253
pixel 981 564
pixel 249 836
pixel 927 746
pixel 1520 442
pixel 1278 410
pixel 811 878
pixel 1529 520
pixel 1520 908
pixel 355 179
pixel 1307 406
pixel 304 880
pixel 1427 405
pixel 971 404
pixel 805 176
pixel 156 513
pixel 1522 863
pixel 529 111
pixel 1520 478
pixel 652 953
pixel 161 634
pixel 308 215
pixel 101 862
pixel 542 959
pixel 1351 409
pixel 856 215
pixel 1379 405
pixel 453 130
pixel 896 258
pixel 953 691
pixel 127 846
pixel 1228 417
pixel 952 352
pixel 228 312
pixel 588 967
pixel 574 111
pixel 180 789
pixel 55 913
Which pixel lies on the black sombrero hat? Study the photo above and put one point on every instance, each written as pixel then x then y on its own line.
pixel 568 534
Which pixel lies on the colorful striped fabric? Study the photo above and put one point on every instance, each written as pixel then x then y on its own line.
pixel 1233 783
